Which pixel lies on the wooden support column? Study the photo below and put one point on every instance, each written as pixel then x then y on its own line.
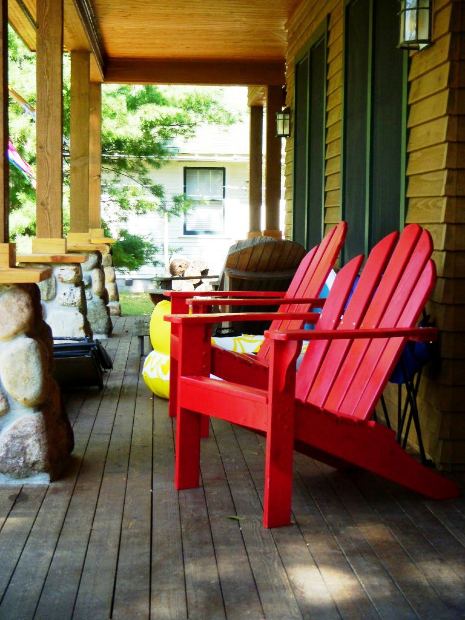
pixel 273 163
pixel 9 274
pixel 255 170
pixel 4 199
pixel 49 62
pixel 95 155
pixel 79 148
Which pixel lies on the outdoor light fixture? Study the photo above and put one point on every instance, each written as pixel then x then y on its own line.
pixel 415 24
pixel 283 123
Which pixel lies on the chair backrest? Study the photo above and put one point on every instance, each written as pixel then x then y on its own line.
pixel 309 279
pixel 349 376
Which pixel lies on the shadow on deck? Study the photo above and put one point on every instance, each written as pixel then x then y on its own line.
pixel 113 539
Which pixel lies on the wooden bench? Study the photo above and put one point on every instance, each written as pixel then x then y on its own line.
pixel 141 330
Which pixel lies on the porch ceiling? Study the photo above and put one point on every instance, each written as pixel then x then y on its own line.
pixel 134 36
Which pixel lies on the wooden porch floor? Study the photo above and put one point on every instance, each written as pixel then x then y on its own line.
pixel 113 539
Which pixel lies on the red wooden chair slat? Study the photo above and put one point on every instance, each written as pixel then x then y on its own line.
pixel 311 282
pixel 399 277
pixel 382 356
pixel 330 316
pixel 353 314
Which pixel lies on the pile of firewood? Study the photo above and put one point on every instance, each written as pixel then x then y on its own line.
pixel 192 275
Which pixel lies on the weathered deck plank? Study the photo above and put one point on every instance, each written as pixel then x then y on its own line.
pixel 168 590
pixel 411 582
pixel 270 576
pixel 132 587
pixel 96 588
pixel 113 539
pixel 240 595
pixel 62 582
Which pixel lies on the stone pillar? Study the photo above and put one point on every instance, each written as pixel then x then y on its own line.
pixel 111 287
pixel 273 163
pixel 64 302
pixel 98 313
pixel 35 435
pixel 255 170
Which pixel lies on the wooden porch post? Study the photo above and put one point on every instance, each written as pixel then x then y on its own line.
pixel 95 156
pixel 4 207
pixel 273 163
pixel 255 170
pixel 79 147
pixel 49 127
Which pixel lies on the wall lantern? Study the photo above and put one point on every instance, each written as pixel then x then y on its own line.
pixel 283 123
pixel 415 24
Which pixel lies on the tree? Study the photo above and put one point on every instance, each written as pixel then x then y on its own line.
pixel 139 127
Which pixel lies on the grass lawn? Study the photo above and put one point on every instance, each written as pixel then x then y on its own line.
pixel 135 304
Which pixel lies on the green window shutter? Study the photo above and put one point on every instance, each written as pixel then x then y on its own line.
pixel 374 124
pixel 309 140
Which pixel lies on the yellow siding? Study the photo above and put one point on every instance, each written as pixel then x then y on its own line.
pixel 435 189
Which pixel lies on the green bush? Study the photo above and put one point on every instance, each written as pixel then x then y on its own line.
pixel 130 252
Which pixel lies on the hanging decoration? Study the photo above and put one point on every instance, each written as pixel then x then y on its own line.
pixel 15 158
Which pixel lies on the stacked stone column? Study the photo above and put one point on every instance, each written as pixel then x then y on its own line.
pixel 64 301
pixel 113 303
pixel 35 435
pixel 96 295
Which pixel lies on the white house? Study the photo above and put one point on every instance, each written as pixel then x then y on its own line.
pixel 212 170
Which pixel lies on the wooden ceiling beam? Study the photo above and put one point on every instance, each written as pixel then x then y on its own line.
pixel 22 22
pixel 256 96
pixel 217 72
pixel 84 12
pixel 80 29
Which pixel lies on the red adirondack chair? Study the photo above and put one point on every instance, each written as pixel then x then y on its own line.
pixel 301 295
pixel 326 408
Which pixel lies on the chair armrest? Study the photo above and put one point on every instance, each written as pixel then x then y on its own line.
pixel 209 319
pixel 316 302
pixel 412 333
pixel 216 294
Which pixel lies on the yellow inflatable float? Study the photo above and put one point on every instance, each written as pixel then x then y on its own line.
pixel 156 370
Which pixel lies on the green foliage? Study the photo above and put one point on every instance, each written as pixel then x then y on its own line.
pixel 135 304
pixel 132 251
pixel 139 127
pixel 21 70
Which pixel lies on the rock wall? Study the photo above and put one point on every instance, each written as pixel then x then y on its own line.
pixel 35 435
pixel 64 301
pixel 96 295
pixel 110 285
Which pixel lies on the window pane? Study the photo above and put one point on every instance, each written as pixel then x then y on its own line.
pixel 205 187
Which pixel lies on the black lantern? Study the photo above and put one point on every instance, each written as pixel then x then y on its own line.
pixel 283 123
pixel 415 24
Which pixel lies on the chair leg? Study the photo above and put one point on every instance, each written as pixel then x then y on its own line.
pixel 278 488
pixel 187 467
pixel 385 412
pixel 414 415
pixel 204 427
pixel 278 480
pixel 173 400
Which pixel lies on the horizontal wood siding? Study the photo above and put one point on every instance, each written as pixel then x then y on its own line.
pixel 435 191
pixel 436 199
pixel 305 20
